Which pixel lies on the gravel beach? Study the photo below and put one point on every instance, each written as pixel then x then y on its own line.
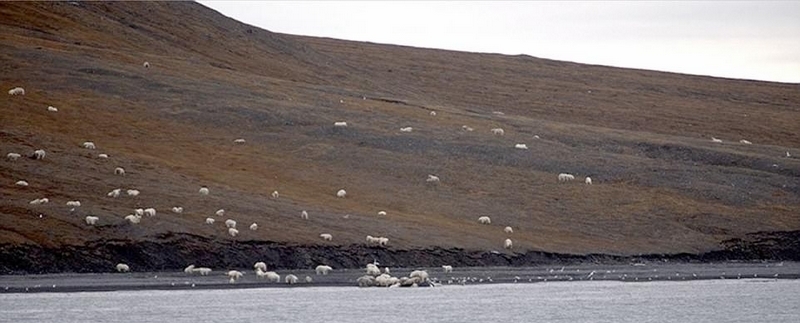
pixel 640 272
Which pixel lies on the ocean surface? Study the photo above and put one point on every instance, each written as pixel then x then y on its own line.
pixel 744 300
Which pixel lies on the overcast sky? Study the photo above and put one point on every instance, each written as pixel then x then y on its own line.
pixel 750 40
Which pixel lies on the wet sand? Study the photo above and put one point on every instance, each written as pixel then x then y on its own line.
pixel 71 282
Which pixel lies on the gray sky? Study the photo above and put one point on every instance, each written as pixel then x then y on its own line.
pixel 749 40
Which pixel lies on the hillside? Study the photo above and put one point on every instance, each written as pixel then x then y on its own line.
pixel 660 185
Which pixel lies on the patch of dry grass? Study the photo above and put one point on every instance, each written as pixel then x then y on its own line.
pixel 660 184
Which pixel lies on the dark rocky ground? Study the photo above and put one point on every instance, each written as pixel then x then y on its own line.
pixel 157 266
pixel 179 250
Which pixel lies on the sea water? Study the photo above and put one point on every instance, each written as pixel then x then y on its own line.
pixel 746 300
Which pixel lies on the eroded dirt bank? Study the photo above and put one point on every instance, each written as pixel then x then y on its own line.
pixel 175 251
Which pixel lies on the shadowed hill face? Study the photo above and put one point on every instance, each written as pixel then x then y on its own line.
pixel 659 183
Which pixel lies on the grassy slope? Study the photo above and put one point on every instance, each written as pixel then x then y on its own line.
pixel 660 184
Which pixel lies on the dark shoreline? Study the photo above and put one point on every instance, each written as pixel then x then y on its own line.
pixel 171 252
pixel 178 280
